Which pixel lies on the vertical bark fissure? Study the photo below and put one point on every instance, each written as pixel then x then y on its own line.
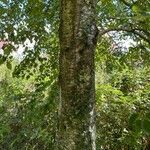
pixel 78 34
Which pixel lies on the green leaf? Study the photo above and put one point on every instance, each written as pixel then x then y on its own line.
pixel 2 59
pixel 27 77
pixel 8 49
pixel 147 115
pixel 132 119
pixel 8 64
pixel 138 125
pixel 146 125
pixel 135 8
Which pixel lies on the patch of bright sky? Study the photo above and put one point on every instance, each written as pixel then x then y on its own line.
pixel 126 43
pixel 21 48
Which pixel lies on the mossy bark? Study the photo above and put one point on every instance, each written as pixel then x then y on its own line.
pixel 78 33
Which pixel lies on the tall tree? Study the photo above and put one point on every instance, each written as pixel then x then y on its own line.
pixel 78 34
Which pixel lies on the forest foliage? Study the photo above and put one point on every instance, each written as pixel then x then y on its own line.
pixel 29 85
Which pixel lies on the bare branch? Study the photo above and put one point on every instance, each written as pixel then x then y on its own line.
pixel 134 31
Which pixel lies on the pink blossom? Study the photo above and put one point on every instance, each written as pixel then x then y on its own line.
pixel 2 43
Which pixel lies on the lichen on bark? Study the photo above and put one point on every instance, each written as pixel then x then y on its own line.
pixel 78 33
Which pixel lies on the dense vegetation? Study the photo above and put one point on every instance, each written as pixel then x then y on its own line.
pixel 29 93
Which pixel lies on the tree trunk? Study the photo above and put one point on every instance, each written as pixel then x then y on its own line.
pixel 78 36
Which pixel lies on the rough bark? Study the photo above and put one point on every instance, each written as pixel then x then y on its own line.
pixel 78 33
